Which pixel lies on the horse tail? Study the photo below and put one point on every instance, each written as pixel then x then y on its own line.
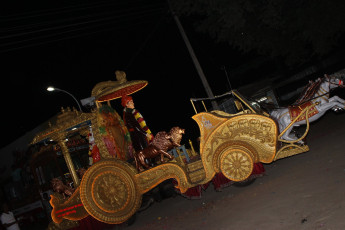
pixel 275 113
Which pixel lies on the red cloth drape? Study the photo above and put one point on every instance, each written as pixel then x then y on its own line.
pixel 219 181
pixel 90 223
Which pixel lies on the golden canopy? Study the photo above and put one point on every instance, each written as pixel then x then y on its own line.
pixel 110 90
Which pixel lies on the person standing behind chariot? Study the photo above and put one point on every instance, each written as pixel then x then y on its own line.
pixel 140 134
pixel 7 218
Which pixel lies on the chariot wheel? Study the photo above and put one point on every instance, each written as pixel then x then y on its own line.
pixel 109 193
pixel 236 164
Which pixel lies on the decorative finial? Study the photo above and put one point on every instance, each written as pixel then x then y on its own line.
pixel 120 76
pixel 191 146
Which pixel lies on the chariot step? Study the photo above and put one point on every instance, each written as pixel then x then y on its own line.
pixel 195 166
pixel 290 150
pixel 196 172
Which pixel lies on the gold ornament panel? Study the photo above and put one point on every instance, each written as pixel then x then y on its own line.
pixel 98 138
pixel 150 178
pixel 70 209
pixel 207 123
pixel 256 131
pixel 63 124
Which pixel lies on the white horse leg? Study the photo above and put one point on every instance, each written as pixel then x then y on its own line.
pixel 283 123
pixel 326 106
pixel 337 99
pixel 283 118
pixel 287 136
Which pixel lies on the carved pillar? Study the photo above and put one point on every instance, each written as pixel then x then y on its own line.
pixel 69 162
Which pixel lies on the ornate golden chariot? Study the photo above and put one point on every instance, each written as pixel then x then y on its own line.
pixel 111 189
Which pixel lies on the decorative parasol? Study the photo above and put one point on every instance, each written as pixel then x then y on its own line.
pixel 110 90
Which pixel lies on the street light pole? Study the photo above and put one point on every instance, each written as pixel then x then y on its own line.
pixel 51 88
pixel 194 59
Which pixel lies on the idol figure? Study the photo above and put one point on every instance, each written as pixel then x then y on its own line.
pixel 140 134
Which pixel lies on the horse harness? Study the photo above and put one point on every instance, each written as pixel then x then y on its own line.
pixel 305 101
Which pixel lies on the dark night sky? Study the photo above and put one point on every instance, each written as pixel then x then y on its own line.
pixel 43 48
pixel 73 45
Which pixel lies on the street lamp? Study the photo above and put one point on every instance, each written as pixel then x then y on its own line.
pixel 51 88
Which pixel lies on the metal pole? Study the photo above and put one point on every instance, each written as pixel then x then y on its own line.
pixel 227 76
pixel 194 58
pixel 71 96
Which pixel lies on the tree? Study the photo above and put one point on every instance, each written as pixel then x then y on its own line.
pixel 295 30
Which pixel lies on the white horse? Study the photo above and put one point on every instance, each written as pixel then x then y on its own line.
pixel 322 103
